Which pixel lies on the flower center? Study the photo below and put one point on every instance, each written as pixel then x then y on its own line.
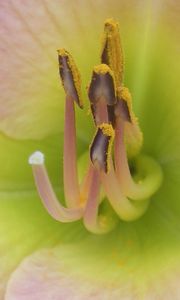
pixel 108 190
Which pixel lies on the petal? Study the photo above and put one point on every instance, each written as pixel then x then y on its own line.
pixel 154 79
pixel 158 101
pixel 24 224
pixel 139 259
pixel 32 98
pixel 25 227
pixel 68 272
pixel 16 174
pixel 161 102
pixel 154 82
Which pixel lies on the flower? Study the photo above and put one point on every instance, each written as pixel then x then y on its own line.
pixel 138 259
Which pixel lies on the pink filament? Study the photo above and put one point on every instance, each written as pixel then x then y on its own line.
pixel 129 187
pixel 91 219
pixel 125 208
pixel 101 114
pixel 84 189
pixel 71 185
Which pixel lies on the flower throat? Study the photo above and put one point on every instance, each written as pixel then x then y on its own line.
pixel 109 191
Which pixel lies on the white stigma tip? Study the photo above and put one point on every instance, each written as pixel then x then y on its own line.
pixel 37 158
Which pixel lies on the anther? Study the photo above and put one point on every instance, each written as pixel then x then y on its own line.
pixel 124 114
pixel 102 85
pixel 102 94
pixel 122 109
pixel 125 107
pixel 70 76
pixel 100 150
pixel 111 50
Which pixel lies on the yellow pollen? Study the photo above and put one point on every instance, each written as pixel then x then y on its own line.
pixel 125 94
pixel 102 69
pixel 108 130
pixel 111 52
pixel 110 25
pixel 62 52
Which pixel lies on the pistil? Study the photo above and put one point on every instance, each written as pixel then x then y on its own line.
pixel 46 192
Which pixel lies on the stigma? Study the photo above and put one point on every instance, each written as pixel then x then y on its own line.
pixel 109 190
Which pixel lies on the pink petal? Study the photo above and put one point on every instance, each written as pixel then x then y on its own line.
pixel 47 275
pixel 44 276
pixel 31 102
pixel 32 99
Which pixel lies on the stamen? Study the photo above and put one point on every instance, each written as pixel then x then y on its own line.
pixel 123 111
pixel 100 112
pixel 46 192
pixel 111 107
pixel 126 110
pixel 111 50
pixel 126 209
pixel 93 222
pixel 86 176
pixel 151 170
pixel 102 93
pixel 71 81
pixel 70 76
pixel 100 150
